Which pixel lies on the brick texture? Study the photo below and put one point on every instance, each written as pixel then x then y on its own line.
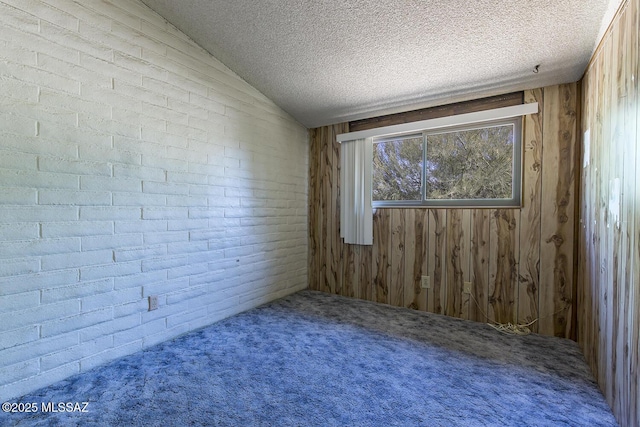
pixel 132 163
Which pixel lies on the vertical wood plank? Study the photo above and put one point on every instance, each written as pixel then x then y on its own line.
pixel 313 208
pixel 632 305
pixel 336 242
pixel 349 270
pixel 412 261
pixel 455 276
pixel 479 265
pixel 396 287
pixel 529 265
pixel 381 254
pixel 559 135
pixel 437 260
pixel 465 261
pixel 366 282
pixel 503 267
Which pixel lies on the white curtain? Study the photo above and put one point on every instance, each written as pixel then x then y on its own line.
pixel 356 214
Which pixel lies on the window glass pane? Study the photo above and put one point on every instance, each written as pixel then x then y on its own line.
pixel 470 164
pixel 397 169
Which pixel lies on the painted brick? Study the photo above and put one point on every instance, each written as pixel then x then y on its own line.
pixel 186 177
pixel 137 333
pixel 41 77
pixel 140 279
pixel 159 288
pixel 13 160
pixel 43 379
pixel 109 155
pixel 78 321
pixel 76 259
pixel 140 253
pixel 163 263
pixel 32 144
pixel 106 37
pixel 106 69
pixel 92 243
pixel 72 39
pixel 19 231
pixel 78 198
pixel 134 121
pixel 49 164
pixel 171 90
pixel 166 138
pixel 87 348
pixel 107 183
pixel 16 124
pixel 115 298
pixel 72 135
pixel 140 226
pixel 67 102
pixel 110 213
pixel 27 282
pixel 164 188
pixel 109 270
pixel 165 213
pixel 107 355
pixel 17 196
pixel 165 237
pixel 191 224
pixel 39 247
pixel 165 163
pixel 20 178
pixel 187 201
pixel 119 323
pixel 20 370
pixel 137 199
pixel 16 337
pixel 76 228
pixel 76 290
pixel 16 319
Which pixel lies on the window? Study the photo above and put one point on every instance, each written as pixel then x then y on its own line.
pixel 463 166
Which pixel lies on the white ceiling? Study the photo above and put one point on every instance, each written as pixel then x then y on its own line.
pixel 330 61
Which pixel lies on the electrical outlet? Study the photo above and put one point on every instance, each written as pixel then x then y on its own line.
pixel 153 302
pixel 467 288
pixel 426 282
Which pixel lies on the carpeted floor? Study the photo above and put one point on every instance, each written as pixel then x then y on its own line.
pixel 314 359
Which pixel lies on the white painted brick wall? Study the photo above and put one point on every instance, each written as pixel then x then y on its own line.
pixel 132 163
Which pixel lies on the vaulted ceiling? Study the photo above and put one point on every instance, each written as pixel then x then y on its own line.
pixel 330 61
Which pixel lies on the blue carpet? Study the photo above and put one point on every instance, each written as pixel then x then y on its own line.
pixel 314 359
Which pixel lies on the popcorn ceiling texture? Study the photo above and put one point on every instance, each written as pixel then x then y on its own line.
pixel 332 61
pixel 132 163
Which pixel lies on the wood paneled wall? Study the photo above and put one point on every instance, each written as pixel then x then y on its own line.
pixel 520 261
pixel 609 240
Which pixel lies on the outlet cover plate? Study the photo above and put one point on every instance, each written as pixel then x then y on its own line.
pixel 426 282
pixel 467 288
pixel 153 302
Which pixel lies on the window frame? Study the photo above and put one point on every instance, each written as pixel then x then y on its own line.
pixel 516 178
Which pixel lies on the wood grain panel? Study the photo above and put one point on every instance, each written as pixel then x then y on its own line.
pixel 479 265
pixel 437 262
pixel 503 266
pixel 455 274
pixel 529 265
pixel 314 195
pixel 557 242
pixel 489 103
pixel 381 254
pixel 609 239
pixel 497 250
pixel 396 286
pixel 415 253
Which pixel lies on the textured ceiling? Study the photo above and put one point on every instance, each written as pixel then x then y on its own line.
pixel 329 61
